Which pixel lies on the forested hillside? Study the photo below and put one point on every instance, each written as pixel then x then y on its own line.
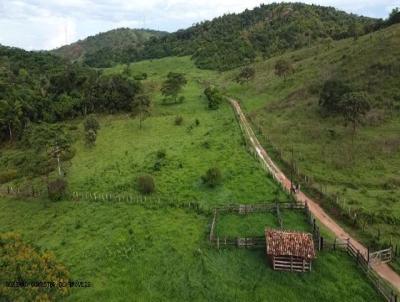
pixel 106 49
pixel 237 39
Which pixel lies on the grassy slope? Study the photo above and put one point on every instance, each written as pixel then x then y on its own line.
pixel 127 151
pixel 158 255
pixel 288 114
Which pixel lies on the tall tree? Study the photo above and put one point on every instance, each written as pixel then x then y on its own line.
pixel 173 85
pixel 354 106
pixel 141 107
pixel 394 16
pixel 11 115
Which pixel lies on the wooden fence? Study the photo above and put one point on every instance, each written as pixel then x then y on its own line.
pixel 318 239
pixel 363 261
pixel 259 241
pixel 23 191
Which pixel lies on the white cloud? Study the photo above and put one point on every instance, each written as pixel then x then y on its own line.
pixel 41 24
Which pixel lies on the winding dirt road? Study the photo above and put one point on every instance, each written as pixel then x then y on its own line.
pixel 384 270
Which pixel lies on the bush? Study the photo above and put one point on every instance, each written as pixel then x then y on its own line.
pixel 140 77
pixel 8 175
pixel 178 120
pixel 214 97
pixel 90 137
pixel 212 178
pixel 161 154
pixel 245 75
pixel 146 184
pixel 91 123
pixel 331 95
pixel 22 262
pixel 57 189
pixel 283 68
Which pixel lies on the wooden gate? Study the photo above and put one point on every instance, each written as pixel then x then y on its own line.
pixel 383 256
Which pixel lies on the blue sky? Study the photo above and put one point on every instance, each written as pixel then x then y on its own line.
pixel 47 24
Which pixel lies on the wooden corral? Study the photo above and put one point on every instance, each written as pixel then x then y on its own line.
pixel 290 251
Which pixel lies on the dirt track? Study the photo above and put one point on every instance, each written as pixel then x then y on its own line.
pixel 384 270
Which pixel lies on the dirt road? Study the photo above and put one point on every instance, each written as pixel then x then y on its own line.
pixel 384 270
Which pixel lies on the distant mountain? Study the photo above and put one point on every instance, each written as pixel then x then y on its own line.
pixel 237 39
pixel 106 49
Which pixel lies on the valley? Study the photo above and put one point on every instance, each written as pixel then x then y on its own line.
pixel 139 115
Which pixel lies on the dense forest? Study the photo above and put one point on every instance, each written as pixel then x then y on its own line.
pixel 237 39
pixel 40 87
pixel 106 49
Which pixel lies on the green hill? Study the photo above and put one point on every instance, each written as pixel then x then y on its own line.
pixel 238 39
pixel 363 174
pixel 120 45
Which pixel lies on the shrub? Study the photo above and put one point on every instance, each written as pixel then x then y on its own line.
pixel 178 120
pixel 245 75
pixel 331 95
pixel 157 165
pixel 283 68
pixel 214 97
pixel 146 184
pixel 57 189
pixel 206 144
pixel 91 123
pixel 140 77
pixel 212 178
pixel 161 154
pixel 24 263
pixel 8 175
pixel 90 137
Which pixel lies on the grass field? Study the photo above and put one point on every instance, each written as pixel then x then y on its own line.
pixel 128 252
pixel 254 224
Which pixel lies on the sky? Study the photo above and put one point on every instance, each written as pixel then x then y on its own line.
pixel 48 24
